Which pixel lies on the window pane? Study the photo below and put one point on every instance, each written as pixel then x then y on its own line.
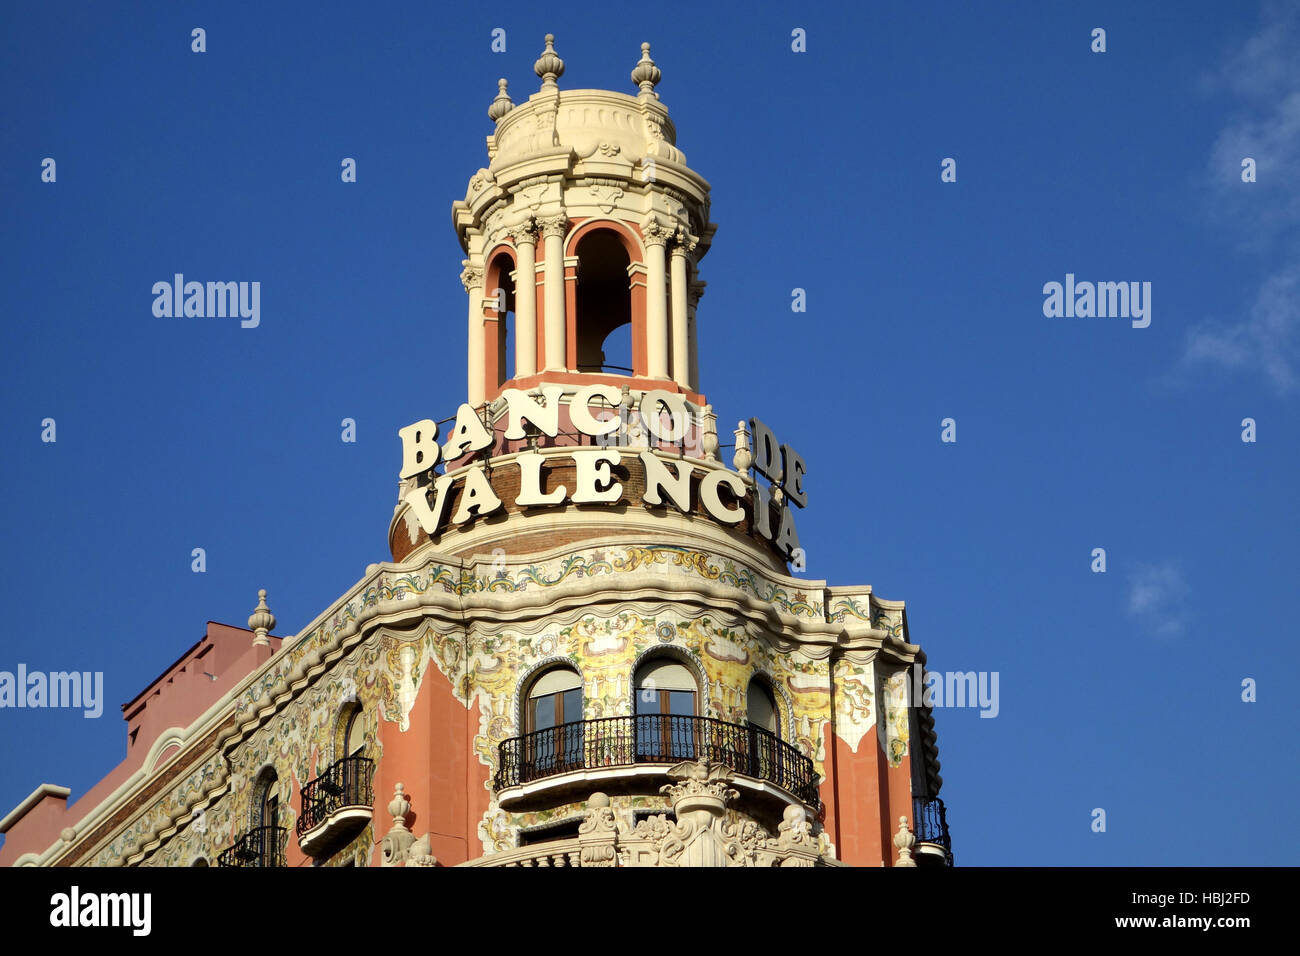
pixel 572 705
pixel 761 706
pixel 543 712
pixel 682 703
pixel 647 700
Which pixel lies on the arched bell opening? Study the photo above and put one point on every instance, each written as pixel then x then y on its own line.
pixel 499 321
pixel 604 304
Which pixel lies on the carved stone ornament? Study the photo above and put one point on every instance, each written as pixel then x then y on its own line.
pixel 531 196
pixel 743 457
pixel 420 853
pixel 598 833
pixel 397 843
pixel 553 226
pixel 525 233
pixel 710 440
pixel 655 233
pixel 699 799
pixel 471 277
pixel 903 843
pixel 261 621
pixel 606 197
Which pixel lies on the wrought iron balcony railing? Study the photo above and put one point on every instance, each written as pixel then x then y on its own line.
pixel 656 738
pixel 260 846
pixel 345 783
pixel 931 823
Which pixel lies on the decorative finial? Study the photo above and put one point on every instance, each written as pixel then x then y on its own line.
pixel 709 441
pixel 399 807
pixel 261 620
pixel 646 74
pixel 743 458
pixel 502 104
pixel 903 842
pixel 549 66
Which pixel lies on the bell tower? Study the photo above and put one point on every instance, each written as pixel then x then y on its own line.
pixel 583 238
pixel 613 585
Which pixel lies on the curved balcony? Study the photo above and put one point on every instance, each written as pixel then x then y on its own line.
pixel 260 846
pixel 336 806
pixel 593 746
pixel 933 841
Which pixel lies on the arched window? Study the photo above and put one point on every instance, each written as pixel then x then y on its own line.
pixel 266 809
pixel 666 705
pixel 553 721
pixel 604 304
pixel 765 753
pixel 263 844
pixel 762 707
pixel 500 349
pixel 354 733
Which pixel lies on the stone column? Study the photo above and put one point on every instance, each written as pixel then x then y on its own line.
pixel 682 247
pixel 525 237
pixel 656 305
pixel 694 292
pixel 553 229
pixel 472 279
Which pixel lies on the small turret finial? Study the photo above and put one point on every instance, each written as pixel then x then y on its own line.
pixel 646 74
pixel 502 104
pixel 549 66
pixel 262 620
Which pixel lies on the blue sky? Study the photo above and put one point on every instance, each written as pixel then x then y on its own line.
pixel 1120 691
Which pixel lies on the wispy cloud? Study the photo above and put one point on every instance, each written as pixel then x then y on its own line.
pixel 1266 340
pixel 1263 217
pixel 1155 598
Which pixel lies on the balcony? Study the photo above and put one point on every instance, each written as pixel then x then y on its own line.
pixel 933 842
pixel 591 748
pixel 336 806
pixel 260 846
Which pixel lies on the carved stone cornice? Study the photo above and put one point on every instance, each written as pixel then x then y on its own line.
pixel 694 292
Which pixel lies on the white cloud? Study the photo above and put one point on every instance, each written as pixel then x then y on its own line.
pixel 1267 340
pixel 1263 72
pixel 1155 599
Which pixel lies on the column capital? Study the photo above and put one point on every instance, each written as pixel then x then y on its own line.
pixel 683 242
pixel 654 232
pixel 471 277
pixel 525 233
pixel 556 225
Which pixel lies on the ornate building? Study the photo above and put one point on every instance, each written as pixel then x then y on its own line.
pixel 588 648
